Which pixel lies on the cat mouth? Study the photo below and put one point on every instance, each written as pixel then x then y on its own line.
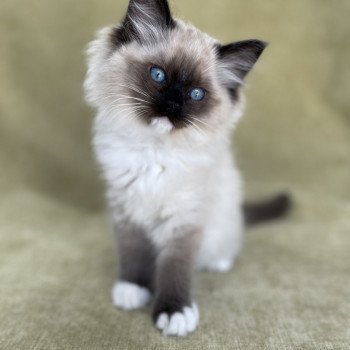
pixel 162 124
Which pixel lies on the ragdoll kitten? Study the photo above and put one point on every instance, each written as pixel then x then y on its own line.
pixel 167 98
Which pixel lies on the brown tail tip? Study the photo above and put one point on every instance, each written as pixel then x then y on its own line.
pixel 267 210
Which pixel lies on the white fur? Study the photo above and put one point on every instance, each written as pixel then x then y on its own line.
pixel 180 323
pixel 162 124
pixel 172 185
pixel 130 296
pixel 220 265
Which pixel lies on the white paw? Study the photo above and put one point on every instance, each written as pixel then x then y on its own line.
pixel 130 296
pixel 179 323
pixel 221 265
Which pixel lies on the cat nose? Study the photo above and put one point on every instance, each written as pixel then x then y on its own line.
pixel 173 108
pixel 173 102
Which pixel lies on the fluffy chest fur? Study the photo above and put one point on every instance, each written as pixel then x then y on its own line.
pixel 153 178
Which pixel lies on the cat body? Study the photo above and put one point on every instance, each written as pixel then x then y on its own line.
pixel 167 98
pixel 161 184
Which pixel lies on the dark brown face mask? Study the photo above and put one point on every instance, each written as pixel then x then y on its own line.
pixel 173 88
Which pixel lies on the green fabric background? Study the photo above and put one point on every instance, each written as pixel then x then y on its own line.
pixel 290 288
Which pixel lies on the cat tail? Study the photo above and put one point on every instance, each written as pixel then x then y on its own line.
pixel 270 209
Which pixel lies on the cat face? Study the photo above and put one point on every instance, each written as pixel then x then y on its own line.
pixel 172 88
pixel 165 74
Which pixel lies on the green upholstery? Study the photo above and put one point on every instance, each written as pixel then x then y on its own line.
pixel 290 288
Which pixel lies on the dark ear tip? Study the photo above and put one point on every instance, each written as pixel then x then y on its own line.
pixel 254 46
pixel 264 44
pixel 260 45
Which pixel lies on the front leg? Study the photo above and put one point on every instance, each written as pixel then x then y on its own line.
pixel 136 267
pixel 174 312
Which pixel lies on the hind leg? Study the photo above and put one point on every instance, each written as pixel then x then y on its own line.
pixel 220 246
pixel 223 234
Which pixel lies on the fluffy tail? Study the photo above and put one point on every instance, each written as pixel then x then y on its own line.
pixel 270 209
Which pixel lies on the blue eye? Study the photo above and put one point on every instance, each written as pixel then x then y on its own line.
pixel 197 94
pixel 157 74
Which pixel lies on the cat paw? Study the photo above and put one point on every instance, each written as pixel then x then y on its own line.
pixel 221 265
pixel 130 296
pixel 179 323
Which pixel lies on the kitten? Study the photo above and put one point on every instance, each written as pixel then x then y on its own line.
pixel 168 97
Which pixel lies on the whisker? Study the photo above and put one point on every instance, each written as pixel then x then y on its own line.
pixel 137 104
pixel 116 93
pixel 115 111
pixel 126 86
pixel 121 97
pixel 193 129
pixel 133 88
pixel 202 122
pixel 134 98
pixel 200 131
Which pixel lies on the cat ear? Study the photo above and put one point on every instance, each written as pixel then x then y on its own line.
pixel 145 20
pixel 237 59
